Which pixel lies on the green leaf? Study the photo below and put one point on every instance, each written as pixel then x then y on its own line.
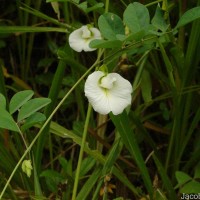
pixel 110 25
pixel 146 86
pixel 105 43
pixel 136 17
pixel 182 177
pixel 32 120
pixel 31 107
pixel 6 121
pixel 158 20
pixel 2 101
pixel 192 187
pixel 188 17
pixel 19 99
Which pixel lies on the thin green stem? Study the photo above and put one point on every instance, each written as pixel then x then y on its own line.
pixel 24 140
pixel 21 134
pixel 107 6
pixel 152 3
pixel 81 152
pixel 48 120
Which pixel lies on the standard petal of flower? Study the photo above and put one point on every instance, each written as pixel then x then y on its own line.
pixel 76 42
pixel 120 95
pixel 108 93
pixel 96 33
pixel 95 94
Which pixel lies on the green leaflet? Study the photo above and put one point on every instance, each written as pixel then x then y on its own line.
pixel 31 107
pixel 110 25
pixel 19 99
pixel 188 17
pixel 6 121
pixel 136 17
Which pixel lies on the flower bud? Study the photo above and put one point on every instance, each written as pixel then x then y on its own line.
pixel 27 167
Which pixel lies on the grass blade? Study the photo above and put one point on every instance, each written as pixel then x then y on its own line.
pixel 165 178
pixel 122 124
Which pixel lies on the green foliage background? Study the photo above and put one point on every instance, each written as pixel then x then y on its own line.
pixel 150 151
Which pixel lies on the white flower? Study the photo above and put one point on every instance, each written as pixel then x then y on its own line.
pixel 79 39
pixel 108 92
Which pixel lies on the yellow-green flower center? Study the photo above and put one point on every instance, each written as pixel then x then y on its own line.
pixel 86 33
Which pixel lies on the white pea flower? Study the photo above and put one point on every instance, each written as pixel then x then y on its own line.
pixel 79 39
pixel 108 92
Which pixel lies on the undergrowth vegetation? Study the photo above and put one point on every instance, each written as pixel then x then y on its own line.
pixel 99 99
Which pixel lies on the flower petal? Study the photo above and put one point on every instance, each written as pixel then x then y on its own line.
pixel 120 94
pixel 96 33
pixel 76 42
pixel 86 33
pixel 86 46
pixel 95 94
